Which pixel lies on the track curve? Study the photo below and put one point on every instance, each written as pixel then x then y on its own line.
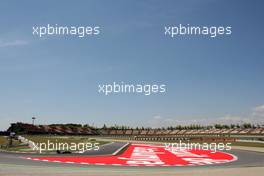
pixel 244 158
pixel 14 164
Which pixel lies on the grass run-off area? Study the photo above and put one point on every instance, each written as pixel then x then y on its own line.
pixel 61 139
pixel 233 143
pixel 65 142
pixel 3 140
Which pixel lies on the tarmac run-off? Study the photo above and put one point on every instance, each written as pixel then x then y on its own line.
pixel 146 155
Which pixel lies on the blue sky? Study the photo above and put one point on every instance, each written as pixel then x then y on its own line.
pixel 56 79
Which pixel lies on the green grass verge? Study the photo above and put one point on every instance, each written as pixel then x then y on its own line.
pixel 3 140
pixel 18 146
pixel 237 143
pixel 69 140
pixel 59 139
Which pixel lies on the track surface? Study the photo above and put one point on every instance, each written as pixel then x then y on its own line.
pixel 9 161
pixel 146 155
pixel 107 149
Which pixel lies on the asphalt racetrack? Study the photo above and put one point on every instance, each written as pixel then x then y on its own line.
pixel 245 162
